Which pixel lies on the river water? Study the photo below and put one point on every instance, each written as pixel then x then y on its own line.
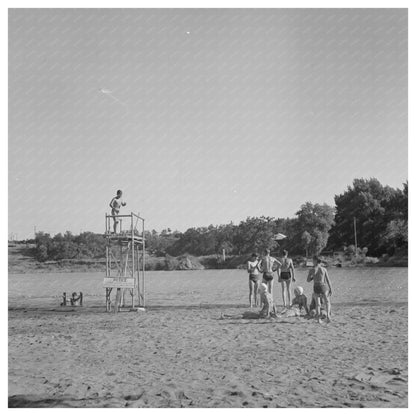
pixel 207 288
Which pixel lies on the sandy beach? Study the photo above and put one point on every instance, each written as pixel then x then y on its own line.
pixel 182 143
pixel 180 353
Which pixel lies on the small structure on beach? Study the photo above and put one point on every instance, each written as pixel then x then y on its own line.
pixel 125 261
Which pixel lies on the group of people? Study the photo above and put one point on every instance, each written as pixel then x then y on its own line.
pixel 261 276
pixel 260 292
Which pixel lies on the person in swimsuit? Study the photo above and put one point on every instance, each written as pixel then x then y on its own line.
pixel 299 306
pixel 300 301
pixel 268 309
pixel 116 203
pixel 322 288
pixel 268 265
pixel 286 275
pixel 253 279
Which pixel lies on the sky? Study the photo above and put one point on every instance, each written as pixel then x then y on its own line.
pixel 214 114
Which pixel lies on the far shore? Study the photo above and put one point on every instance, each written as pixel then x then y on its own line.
pixel 21 262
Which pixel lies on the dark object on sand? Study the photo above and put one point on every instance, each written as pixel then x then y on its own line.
pixel 74 300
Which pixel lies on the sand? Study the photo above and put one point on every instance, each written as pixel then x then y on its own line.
pixel 180 353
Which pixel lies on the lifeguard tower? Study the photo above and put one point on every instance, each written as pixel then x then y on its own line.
pixel 125 261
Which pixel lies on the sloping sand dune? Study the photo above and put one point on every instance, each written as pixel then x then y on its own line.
pixel 185 355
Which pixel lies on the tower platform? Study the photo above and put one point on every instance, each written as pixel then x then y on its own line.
pixel 124 238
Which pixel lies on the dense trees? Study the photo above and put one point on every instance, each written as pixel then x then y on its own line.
pixel 67 246
pixel 258 233
pixel 313 224
pixel 381 217
pixel 380 211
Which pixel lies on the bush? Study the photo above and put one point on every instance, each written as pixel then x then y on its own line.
pixel 171 263
pixel 155 263
pixel 41 253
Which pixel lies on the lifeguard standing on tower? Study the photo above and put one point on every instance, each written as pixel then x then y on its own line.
pixel 116 203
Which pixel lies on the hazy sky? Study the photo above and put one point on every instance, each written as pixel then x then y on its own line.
pixel 215 114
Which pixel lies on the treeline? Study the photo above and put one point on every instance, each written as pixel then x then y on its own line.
pixel 308 231
pixel 86 245
pixel 380 212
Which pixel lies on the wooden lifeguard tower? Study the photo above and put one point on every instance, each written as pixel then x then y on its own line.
pixel 125 261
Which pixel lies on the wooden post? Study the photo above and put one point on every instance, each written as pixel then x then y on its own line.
pixel 144 261
pixel 137 273
pixel 117 301
pixel 355 234
pixel 139 293
pixel 127 259
pixel 132 257
pixel 121 257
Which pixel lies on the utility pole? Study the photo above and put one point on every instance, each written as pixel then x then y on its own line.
pixel 355 234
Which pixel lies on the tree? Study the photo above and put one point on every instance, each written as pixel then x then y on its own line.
pixel 43 242
pixel 159 244
pixel 225 237
pixel 306 241
pixel 374 206
pixel 316 220
pixel 396 235
pixel 256 234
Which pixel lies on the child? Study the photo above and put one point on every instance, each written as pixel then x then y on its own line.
pixel 115 204
pixel 322 288
pixel 266 300
pixel 300 301
pixel 268 310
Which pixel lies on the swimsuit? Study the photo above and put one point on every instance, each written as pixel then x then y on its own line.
pixel 254 274
pixel 268 277
pixel 285 273
pixel 254 277
pixel 320 288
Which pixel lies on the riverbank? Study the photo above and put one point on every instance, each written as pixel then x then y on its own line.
pixel 21 259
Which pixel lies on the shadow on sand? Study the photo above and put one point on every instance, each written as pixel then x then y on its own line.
pixel 98 309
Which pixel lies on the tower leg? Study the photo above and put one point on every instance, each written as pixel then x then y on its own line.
pixel 108 299
pixel 117 302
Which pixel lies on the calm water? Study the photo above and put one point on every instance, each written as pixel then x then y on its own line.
pixel 206 287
